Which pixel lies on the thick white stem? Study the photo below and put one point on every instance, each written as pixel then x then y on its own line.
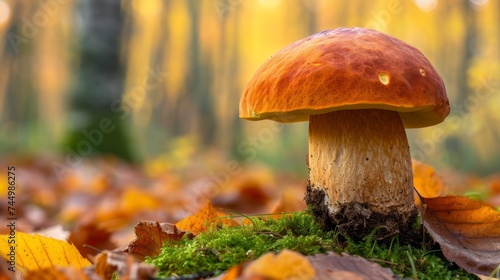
pixel 362 156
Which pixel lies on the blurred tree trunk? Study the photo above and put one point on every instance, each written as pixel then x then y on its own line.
pixel 95 126
pixel 20 110
pixel 195 107
pixel 310 8
pixel 469 46
pixel 228 90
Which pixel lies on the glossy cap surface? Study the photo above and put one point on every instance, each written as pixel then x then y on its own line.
pixel 344 69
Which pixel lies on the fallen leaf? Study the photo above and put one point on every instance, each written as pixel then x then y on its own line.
pixel 134 200
pixel 467 230
pixel 87 238
pixel 102 268
pixel 232 273
pixel 35 252
pixel 109 262
pixel 150 238
pixel 285 265
pixel 57 273
pixel 494 191
pixel 427 181
pixel 247 192
pixel 494 185
pixel 110 217
pixel 204 218
pixel 291 200
pixel 345 266
pixel 4 273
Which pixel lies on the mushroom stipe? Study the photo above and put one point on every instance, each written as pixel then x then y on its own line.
pixel 361 161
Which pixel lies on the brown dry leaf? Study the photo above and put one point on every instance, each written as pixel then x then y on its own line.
pixel 467 230
pixel 6 274
pixel 57 273
pixel 92 235
pixel 35 252
pixel 150 238
pixel 207 216
pixel 345 266
pixel 109 262
pixel 101 266
pixel 427 181
pixel 248 192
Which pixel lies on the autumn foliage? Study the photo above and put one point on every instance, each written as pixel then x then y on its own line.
pixel 468 231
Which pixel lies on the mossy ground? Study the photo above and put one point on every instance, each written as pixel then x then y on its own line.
pixel 222 247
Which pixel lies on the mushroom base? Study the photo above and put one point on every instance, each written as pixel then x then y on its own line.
pixel 356 220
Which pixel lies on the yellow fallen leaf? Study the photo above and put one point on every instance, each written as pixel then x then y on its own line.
pixel 200 221
pixel 35 252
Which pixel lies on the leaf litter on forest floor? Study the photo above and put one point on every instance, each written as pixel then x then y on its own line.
pixel 107 180
pixel 467 230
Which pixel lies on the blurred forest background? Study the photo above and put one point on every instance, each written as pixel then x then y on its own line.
pixel 166 77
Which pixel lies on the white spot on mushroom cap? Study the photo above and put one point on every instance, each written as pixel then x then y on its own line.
pixel 384 78
pixel 422 72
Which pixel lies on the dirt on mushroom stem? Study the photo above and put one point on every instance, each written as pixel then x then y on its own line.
pixel 361 175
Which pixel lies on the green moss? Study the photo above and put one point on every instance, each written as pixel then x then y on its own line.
pixel 219 249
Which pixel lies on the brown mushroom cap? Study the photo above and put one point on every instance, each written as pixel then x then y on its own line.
pixel 344 69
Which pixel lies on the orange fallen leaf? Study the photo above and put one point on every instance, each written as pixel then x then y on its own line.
pixel 150 238
pixel 285 265
pixel 467 230
pixel 233 273
pixel 110 217
pixel 134 200
pixel 204 218
pixel 35 252
pixel 427 181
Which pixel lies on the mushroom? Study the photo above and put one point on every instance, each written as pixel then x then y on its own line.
pixel 359 89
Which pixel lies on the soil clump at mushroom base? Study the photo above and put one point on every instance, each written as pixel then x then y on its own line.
pixel 357 221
